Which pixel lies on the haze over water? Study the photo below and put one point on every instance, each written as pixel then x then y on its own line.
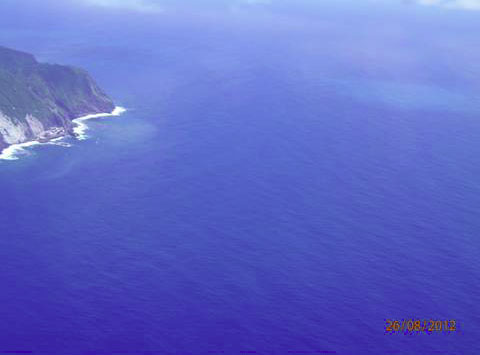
pixel 287 176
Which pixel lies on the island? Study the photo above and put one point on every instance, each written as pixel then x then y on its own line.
pixel 39 101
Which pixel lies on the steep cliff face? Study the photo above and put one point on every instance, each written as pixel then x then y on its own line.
pixel 38 101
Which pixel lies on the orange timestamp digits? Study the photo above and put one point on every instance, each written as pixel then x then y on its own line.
pixel 417 325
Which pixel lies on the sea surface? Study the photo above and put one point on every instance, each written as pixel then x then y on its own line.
pixel 287 176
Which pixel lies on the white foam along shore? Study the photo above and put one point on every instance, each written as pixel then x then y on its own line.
pixel 81 127
pixel 12 152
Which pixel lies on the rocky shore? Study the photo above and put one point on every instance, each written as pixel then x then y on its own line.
pixel 39 101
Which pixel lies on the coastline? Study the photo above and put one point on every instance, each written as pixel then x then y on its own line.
pixel 10 153
pixel 81 127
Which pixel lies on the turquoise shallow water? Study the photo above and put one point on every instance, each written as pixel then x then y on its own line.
pixel 279 183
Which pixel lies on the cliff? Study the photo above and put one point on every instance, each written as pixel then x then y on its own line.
pixel 39 101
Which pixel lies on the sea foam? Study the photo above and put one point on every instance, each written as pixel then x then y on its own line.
pixel 14 151
pixel 81 127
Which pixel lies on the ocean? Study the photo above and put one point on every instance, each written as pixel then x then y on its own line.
pixel 286 177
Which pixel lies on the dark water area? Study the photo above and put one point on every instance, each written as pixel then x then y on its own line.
pixel 286 178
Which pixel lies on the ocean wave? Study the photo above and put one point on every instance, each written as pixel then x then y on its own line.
pixel 15 151
pixel 82 127
pixel 60 144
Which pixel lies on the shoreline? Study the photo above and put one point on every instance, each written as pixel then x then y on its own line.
pixel 10 152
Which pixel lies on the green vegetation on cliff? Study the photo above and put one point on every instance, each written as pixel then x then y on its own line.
pixel 52 94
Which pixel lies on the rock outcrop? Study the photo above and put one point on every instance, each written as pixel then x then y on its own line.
pixel 39 101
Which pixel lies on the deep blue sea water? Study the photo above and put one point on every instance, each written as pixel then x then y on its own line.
pixel 285 179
